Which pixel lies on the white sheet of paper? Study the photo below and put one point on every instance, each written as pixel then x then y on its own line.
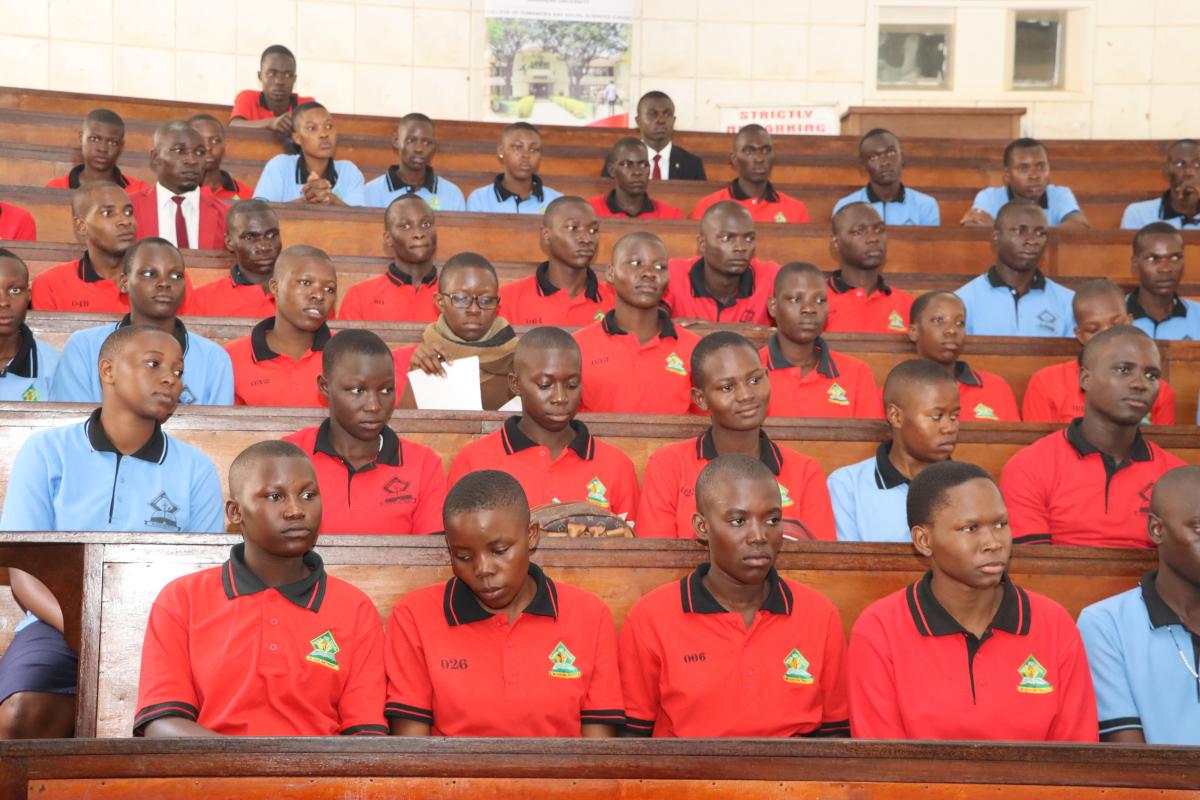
pixel 513 407
pixel 458 391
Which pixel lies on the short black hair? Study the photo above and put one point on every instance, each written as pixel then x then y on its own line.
pixel 105 117
pixel 1021 144
pixel 1096 287
pixel 1178 142
pixel 466 260
pixel 120 338
pixel 1098 341
pixel 1154 229
pixel 205 118
pixel 876 132
pixel 513 127
pixel 268 448
pixel 795 268
pixel 276 50
pixel 304 108
pixel 249 206
pixel 547 337
pixel 354 341
pixel 726 469
pixel 922 302
pixel 407 197
pixel 149 241
pixel 300 251
pixel 724 207
pixel 81 198
pixel 1012 207
pixel 927 492
pixel 416 116
pixel 555 205
pixel 485 490
pixel 915 371
pixel 1182 479
pixel 623 142
pixel 753 127
pixel 9 254
pixel 846 209
pixel 630 238
pixel 653 94
pixel 711 344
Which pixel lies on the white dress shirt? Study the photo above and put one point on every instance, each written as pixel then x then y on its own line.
pixel 166 214
pixel 664 163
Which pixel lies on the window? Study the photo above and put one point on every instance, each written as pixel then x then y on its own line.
pixel 1038 51
pixel 913 56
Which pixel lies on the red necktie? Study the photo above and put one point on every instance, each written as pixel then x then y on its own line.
pixel 181 237
pixel 656 175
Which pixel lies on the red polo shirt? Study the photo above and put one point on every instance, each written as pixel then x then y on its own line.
pixel 468 672
pixel 262 377
pixel 605 205
pixel 243 659
pixel 983 396
pixel 17 223
pixel 775 206
pixel 915 673
pixel 852 310
pixel 839 385
pixel 76 286
pixel 662 366
pixel 252 105
pixel 1053 395
pixel 587 470
pixel 392 297
pixel 687 298
pixel 402 491
pixel 537 301
pixel 232 296
pixel 690 668
pixel 71 180
pixel 669 489
pixel 231 189
pixel 1062 490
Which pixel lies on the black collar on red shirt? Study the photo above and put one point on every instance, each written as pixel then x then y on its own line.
pixel 825 365
pixel 228 183
pixel 610 201
pixel 696 278
pixel 395 183
pixel 696 599
pixel 1139 452
pixel 262 101
pixel 591 288
pixel 768 452
pixel 666 328
pixel 302 171
pixel 180 333
pixel 735 191
pixel 118 178
pixel 1167 211
pixel 874 198
pixel 309 592
pixel 462 607
pixel 964 374
pixel 515 440
pixel 993 277
pixel 931 619
pixel 154 451
pixel 886 474
pixel 401 278
pixel 503 194
pixel 263 352
pixel 839 285
pixel 86 272
pixel 1042 201
pixel 25 362
pixel 390 451
pixel 1134 307
pixel 235 274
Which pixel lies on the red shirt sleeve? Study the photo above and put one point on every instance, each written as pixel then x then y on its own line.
pixel 640 674
pixel 874 710
pixel 165 688
pixel 1006 401
pixel 1163 410
pixel 815 508
pixel 41 295
pixel 660 497
pixel 243 105
pixel 1076 720
pixel 625 488
pixel 360 707
pixel 665 211
pixel 409 689
pixel 403 358
pixel 1021 484
pixel 427 517
pixel 26 228
pixel 603 703
pixel 835 699
pixel 353 303
pixel 868 400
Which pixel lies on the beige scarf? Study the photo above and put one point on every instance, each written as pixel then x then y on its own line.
pixel 495 351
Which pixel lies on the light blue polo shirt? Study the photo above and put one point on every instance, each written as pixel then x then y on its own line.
pixel 1139 215
pixel 909 208
pixel 284 175
pixel 30 373
pixel 1057 201
pixel 207 370
pixel 1139 653
pixel 439 193
pixel 495 199
pixel 870 500
pixel 1183 323
pixel 993 309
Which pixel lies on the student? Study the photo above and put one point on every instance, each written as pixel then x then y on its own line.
pixel 153 278
pixel 897 204
pixel 809 379
pixel 726 283
pixel 637 338
pixel 278 363
pixel 500 649
pixel 1026 172
pixel 655 120
pixel 206 670
pixel 468 324
pixel 964 653
pixel 860 301
pixel 415 143
pixel 1136 640
pixel 102 218
pixel 116 471
pixel 101 142
pixel 1087 485
pixel 730 384
pixel 252 238
pixel 220 183
pixel 552 454
pixel 733 649
pixel 1053 393
pixel 518 189
pixel 564 289
pixel 629 166
pixel 407 292
pixel 29 363
pixel 16 223
pixel 1155 304
pixel 938 328
pixel 273 106
pixel 313 175
pixel 1014 298
pixel 753 157
pixel 372 481
pixel 176 208
pixel 921 409
pixel 1179 205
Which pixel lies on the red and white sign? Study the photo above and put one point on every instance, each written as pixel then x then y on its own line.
pixel 783 120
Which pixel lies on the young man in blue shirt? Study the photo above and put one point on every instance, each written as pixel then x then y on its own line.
pixel 313 175
pixel 1014 298
pixel 1179 205
pixel 1026 176
pixel 116 471
pixel 29 364
pixel 518 189
pixel 1155 305
pixel 153 278
pixel 897 204
pixel 415 142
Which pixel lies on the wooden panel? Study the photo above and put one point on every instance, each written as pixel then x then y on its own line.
pixel 924 121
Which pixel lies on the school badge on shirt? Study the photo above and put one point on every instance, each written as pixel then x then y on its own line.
pixel 837 395
pixel 1033 678
pixel 563 663
pixel 785 499
pixel 779 217
pixel 325 650
pixel 597 493
pixel 896 322
pixel 434 203
pixel 599 316
pixel 31 394
pixel 797 668
pixel 675 365
pixel 984 412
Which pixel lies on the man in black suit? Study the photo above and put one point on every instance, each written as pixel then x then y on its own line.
pixel 656 122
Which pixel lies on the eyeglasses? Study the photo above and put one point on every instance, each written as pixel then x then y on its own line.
pixel 486 302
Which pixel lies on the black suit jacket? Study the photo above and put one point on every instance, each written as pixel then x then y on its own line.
pixel 684 166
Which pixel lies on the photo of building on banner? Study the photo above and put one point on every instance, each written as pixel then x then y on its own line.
pixel 559 62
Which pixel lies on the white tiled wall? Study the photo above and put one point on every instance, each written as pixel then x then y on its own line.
pixel 1136 73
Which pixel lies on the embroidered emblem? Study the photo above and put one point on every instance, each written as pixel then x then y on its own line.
pixel 675 365
pixel 984 412
pixel 563 661
pixel 779 217
pixel 396 490
pixel 599 316
pixel 784 499
pixel 325 650
pixel 1033 678
pixel 31 394
pixel 1145 419
pixel 797 668
pixel 837 395
pixel 164 513
pixel 895 322
pixel 597 493
pixel 1048 320
pixel 434 202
